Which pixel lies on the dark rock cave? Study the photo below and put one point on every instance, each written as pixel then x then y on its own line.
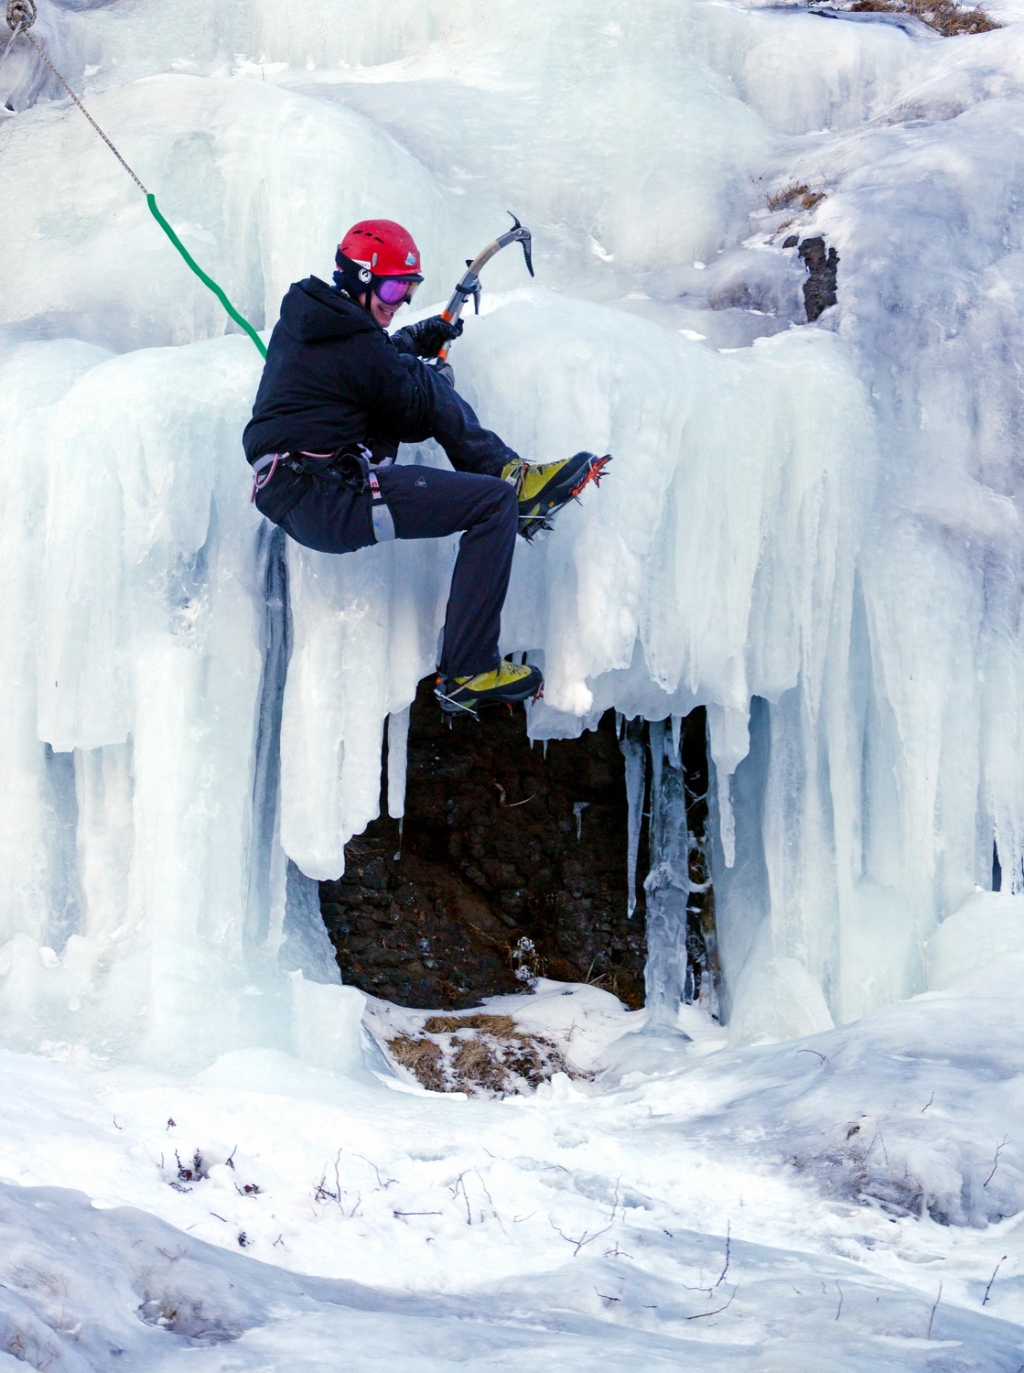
pixel 510 863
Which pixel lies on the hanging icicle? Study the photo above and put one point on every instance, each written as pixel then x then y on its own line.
pixel 634 750
pixel 398 758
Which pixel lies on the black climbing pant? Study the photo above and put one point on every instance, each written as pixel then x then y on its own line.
pixel 332 517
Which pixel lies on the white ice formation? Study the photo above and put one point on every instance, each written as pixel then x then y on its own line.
pixel 813 530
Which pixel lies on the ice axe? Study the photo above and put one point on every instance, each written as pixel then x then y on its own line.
pixel 469 285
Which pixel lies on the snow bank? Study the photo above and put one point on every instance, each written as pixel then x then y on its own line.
pixel 815 534
pixel 768 1208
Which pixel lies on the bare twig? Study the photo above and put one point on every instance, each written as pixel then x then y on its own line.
pixel 380 1181
pixel 822 1057
pixel 322 1193
pixel 585 1238
pixel 928 1103
pixel 934 1309
pixel 417 1213
pixel 988 1289
pixel 460 1183
pixel 604 1297
pixel 728 1246
pixel 839 1308
pixel 701 1315
pixel 995 1161
pixel 880 1140
pixel 511 805
pixel 484 1186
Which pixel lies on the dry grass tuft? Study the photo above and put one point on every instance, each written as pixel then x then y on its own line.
pixel 800 194
pixel 482 1055
pixel 944 16
pixel 502 1026
pixel 422 1057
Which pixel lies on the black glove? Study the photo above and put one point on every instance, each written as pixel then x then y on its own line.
pixel 426 339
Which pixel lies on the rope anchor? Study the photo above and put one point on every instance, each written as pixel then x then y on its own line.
pixel 21 15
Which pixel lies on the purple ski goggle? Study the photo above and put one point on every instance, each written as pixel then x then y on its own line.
pixel 395 290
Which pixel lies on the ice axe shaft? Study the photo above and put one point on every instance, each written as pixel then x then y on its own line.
pixel 469 284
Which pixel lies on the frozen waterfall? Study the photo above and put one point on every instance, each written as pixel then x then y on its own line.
pixel 811 530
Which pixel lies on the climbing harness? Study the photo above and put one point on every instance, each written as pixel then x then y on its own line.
pixel 352 465
pixel 380 515
pixel 260 476
pixel 21 15
pixel 469 284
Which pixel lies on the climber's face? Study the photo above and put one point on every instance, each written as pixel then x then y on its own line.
pixel 382 312
pixel 388 294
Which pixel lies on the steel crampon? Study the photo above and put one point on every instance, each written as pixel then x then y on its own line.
pixel 595 471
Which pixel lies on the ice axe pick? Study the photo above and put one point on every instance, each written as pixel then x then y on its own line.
pixel 469 284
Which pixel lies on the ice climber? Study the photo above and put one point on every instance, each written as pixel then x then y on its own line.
pixel 337 397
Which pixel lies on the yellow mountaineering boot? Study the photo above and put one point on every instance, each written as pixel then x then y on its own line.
pixel 543 489
pixel 504 684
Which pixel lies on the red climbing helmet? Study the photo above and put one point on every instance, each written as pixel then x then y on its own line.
pixel 378 255
pixel 383 246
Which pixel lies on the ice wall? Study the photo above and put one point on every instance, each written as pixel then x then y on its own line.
pixel 813 531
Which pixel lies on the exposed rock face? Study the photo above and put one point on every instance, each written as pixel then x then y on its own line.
pixel 822 276
pixel 512 862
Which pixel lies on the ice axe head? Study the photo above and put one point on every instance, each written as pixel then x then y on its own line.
pixel 518 234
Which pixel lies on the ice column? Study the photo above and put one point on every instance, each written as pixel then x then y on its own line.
pixel 635 753
pixel 668 882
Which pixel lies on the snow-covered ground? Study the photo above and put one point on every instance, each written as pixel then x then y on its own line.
pixel 839 1201
pixel 812 530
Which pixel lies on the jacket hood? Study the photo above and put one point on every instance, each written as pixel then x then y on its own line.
pixel 314 310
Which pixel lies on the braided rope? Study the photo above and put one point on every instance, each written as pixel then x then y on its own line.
pixel 75 98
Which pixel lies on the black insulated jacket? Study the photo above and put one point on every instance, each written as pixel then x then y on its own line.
pixel 334 377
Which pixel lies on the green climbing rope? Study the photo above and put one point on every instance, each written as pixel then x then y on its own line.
pixel 207 281
pixel 21 15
